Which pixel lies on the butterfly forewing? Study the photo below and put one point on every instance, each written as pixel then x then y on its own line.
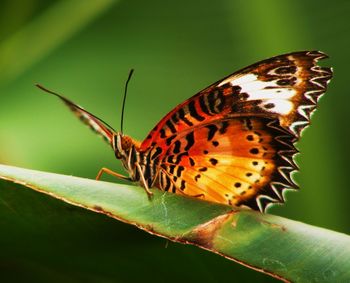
pixel 285 87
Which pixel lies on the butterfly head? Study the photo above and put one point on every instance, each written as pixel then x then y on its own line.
pixel 122 145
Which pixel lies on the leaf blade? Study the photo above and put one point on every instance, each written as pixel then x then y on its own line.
pixel 282 248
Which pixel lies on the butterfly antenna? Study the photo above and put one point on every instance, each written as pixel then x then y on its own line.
pixel 124 99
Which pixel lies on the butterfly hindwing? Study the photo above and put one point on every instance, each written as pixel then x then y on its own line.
pixel 284 87
pixel 239 161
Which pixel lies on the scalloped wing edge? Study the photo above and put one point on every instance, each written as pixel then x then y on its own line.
pixel 282 180
pixel 319 82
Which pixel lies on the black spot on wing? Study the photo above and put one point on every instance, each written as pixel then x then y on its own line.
pixel 177 145
pixel 179 157
pixel 243 96
pixel 254 150
pixel 173 188
pixel 211 97
pixel 250 137
pixel 224 126
pixel 174 118
pixel 269 105
pixel 162 133
pixel 170 126
pixel 215 143
pixel 193 111
pixel 289 81
pixel 216 101
pixel 190 141
pixel 171 168
pixel 212 130
pixel 170 139
pixel 183 118
pixel 179 171
pixel 203 105
pixel 236 89
pixel 170 159
pixel 183 185
pixel 158 151
pixel 286 70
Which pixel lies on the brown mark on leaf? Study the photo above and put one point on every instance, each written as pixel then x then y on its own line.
pixel 149 228
pixel 98 208
pixel 205 233
pixel 274 225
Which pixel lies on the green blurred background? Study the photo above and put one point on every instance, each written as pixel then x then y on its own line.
pixel 84 49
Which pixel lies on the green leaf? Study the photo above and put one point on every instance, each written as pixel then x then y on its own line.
pixel 283 248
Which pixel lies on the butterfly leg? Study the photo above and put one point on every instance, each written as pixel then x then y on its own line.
pixel 155 178
pixel 112 173
pixel 145 185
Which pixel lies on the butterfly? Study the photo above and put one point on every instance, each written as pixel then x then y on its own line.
pixel 232 142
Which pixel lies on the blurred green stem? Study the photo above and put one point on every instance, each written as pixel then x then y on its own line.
pixel 45 33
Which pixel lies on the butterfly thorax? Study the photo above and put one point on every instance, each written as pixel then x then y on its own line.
pixel 133 159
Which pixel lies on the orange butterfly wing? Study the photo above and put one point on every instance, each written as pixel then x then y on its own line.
pixel 284 87
pixel 233 142
pixel 232 161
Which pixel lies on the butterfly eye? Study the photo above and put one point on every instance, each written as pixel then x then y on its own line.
pixel 126 142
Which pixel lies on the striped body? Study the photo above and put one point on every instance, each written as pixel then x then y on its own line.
pixel 126 150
